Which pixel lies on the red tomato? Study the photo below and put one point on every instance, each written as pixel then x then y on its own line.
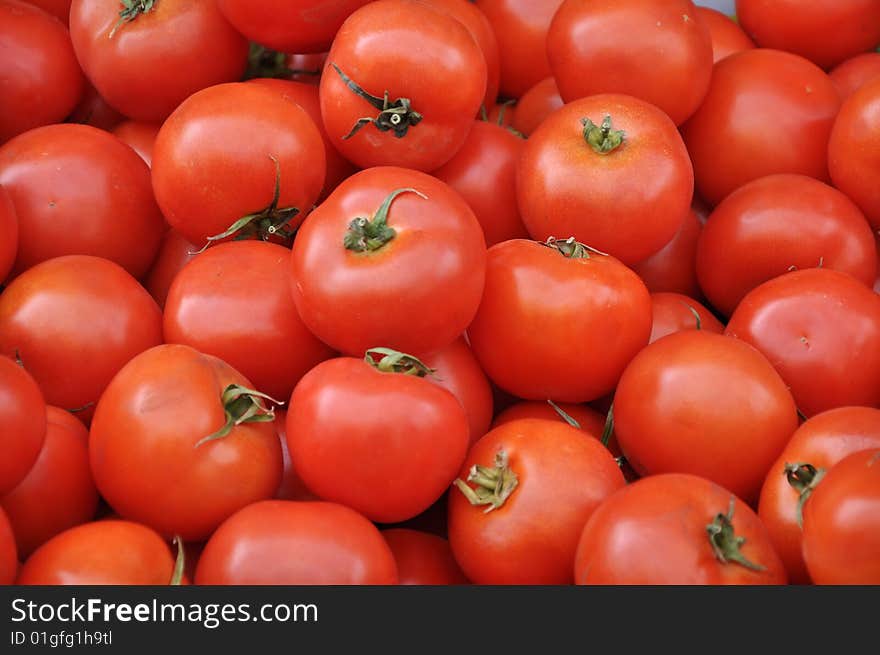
pixel 180 442
pixel 674 312
pixel 609 170
pixel 375 437
pixel 397 249
pixel 306 67
pixel 676 529
pixel 41 82
pixel 281 542
pixel 727 36
pixel 23 417
pixel 78 190
pixel 291 487
pixel 140 136
pixel 821 330
pixel 535 105
pixel 174 253
pixel 701 403
pixel 777 224
pixel 8 553
pixel 591 421
pixel 93 110
pixel 588 56
pixel 816 446
pixel 147 58
pixel 419 124
pixel 58 492
pixel 422 558
pixel 75 321
pixel 9 230
pixel 854 73
pixel 502 113
pixel 533 486
pixel 58 8
pixel 752 93
pixel 673 268
pixel 570 345
pixel 483 171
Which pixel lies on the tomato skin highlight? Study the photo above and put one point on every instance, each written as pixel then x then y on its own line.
pixel 422 558
pixel 23 417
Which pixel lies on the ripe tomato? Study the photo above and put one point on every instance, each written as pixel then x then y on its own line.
pixel 535 105
pixel 385 48
pixel 281 542
pixel 375 436
pixel 821 330
pixel 291 487
pixel 816 446
pixel 537 482
pixel 78 190
pixel 58 8
pixel 777 224
pixel 854 73
pixel 93 110
pixel 588 56
pixel 701 403
pixel 140 136
pixel 673 268
pixel 397 249
pixel 23 417
pixel 9 230
pixel 752 93
pixel 674 312
pixel 422 558
pixel 174 253
pixel 591 421
pixel 145 58
pixel 610 170
pixel 8 553
pixel 675 529
pixel 58 492
pixel 727 36
pixel 570 345
pixel 180 441
pixel 41 80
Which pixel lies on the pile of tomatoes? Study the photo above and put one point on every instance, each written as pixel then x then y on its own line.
pixel 502 292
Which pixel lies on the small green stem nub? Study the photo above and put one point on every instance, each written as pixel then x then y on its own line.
pixel 241 405
pixel 609 426
pixel 131 9
pixel 565 416
pixel 393 361
pixel 724 541
pixel 493 484
pixel 696 315
pixel 179 562
pixel 804 478
pixel 397 116
pixel 601 138
pixel 571 248
pixel 365 234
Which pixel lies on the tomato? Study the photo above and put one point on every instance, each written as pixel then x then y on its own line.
pixel 674 312
pixel 702 403
pixel 591 421
pixel 854 73
pixel 854 150
pixel 140 136
pixel 752 94
pixel 537 482
pixel 41 82
pixel 842 523
pixel 75 321
pixel 291 487
pixel 180 441
pixel 483 171
pixel 676 529
pixel 821 330
pixel 233 302
pixel 502 113
pixel 816 446
pixel 58 8
pixel 306 67
pixel 535 105
pixel 824 31
pixel 23 417
pixel 148 57
pixel 588 56
pixel 296 543
pixel 58 492
pixel 8 553
pixel 93 110
pixel 727 36
pixel 396 250
pixel 777 224
pixel 386 47
pixel 109 552
pixel 78 190
pixel 570 345
pixel 376 437
pixel 422 558
pixel 174 253
pixel 610 170
pixel 9 230
pixel 673 268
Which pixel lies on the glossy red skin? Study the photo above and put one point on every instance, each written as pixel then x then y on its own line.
pixel 673 268
pixel 75 321
pixel 821 330
pixel 588 56
pixel 368 49
pixel 235 176
pixel 140 136
pixel 385 444
pixel 653 532
pixel 777 224
pixel 23 417
pixel 705 404
pixel 8 553
pixel 752 92
pixel 535 105
pixel 521 29
pixel 417 293
pixel 822 441
pixel 672 313
pixel 78 190
pixel 156 61
pixel 483 171
pixel 571 345
pixel 42 82
pixel 826 32
pixel 93 110
pixel 629 202
pixel 854 150
pixel 422 558
pixel 291 487
pixel 591 421
pixel 842 523
pixel 58 492
pixel 233 302
pixel 58 8
pixel 854 73
pixel 727 36
pixel 174 253
pixel 108 552
pixel 531 539
pixel 143 440
pixel 9 230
